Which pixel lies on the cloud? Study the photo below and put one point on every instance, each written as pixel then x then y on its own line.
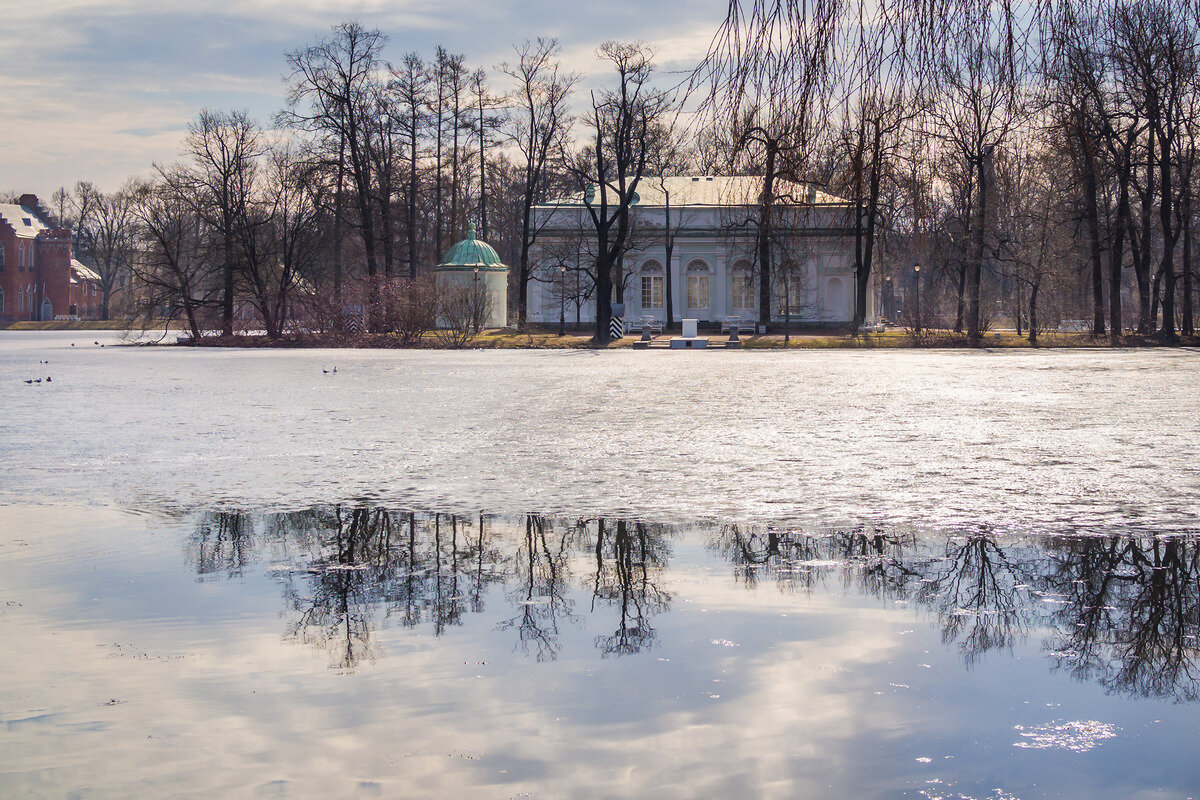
pixel 99 89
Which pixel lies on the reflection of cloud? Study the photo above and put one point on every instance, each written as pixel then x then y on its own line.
pixel 431 720
pixel 84 79
pixel 142 674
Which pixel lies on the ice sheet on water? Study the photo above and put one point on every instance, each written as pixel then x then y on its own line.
pixel 495 428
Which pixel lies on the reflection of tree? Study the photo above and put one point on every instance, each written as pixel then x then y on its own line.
pixel 1123 611
pixel 979 595
pixel 541 566
pixel 1131 614
pixel 350 570
pixel 335 611
pixel 630 556
pixel 221 544
pixel 800 562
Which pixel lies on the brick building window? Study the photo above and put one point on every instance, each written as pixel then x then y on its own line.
pixel 1 301
pixel 1 258
pixel 20 256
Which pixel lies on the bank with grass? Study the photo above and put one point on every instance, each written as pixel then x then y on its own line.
pixel 511 339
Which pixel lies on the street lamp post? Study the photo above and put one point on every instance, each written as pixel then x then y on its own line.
pixel 917 280
pixel 562 300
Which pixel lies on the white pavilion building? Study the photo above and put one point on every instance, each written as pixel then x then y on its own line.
pixel 711 270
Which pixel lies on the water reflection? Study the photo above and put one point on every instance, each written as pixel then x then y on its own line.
pixel 1123 611
pixel 1128 613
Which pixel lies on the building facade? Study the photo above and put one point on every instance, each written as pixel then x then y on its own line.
pixel 711 274
pixel 38 278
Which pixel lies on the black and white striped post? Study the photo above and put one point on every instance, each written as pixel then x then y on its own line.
pixel 616 327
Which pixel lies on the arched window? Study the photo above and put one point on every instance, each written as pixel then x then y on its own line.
pixel 652 285
pixel 741 286
pixel 1 257
pixel 697 285
pixel 835 298
pixel 20 299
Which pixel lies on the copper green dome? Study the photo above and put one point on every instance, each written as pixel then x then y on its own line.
pixel 472 254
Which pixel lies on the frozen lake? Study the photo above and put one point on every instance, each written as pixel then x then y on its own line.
pixel 1009 441
pixel 938 575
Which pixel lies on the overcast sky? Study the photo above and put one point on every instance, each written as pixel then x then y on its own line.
pixel 99 89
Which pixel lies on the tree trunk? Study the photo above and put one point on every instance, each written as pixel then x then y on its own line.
pixel 867 247
pixel 975 268
pixel 1116 253
pixel 962 298
pixel 227 299
pixel 1170 236
pixel 1142 263
pixel 483 230
pixel 1185 208
pixel 530 190
pixel 603 299
pixel 338 206
pixel 766 205
pixel 1155 299
pixel 411 211
pixel 1093 214
pixel 1033 325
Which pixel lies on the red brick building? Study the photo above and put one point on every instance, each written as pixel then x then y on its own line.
pixel 38 280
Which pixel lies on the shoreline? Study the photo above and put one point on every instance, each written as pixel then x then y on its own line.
pixel 540 340
pixel 543 339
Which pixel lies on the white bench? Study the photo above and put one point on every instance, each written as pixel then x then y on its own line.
pixel 728 324
pixel 873 326
pixel 647 322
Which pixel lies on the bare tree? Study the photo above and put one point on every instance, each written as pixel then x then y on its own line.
pixel 539 125
pixel 285 239
pixel 174 276
pixel 621 121
pixel 410 86
pixel 224 149
pixel 105 231
pixel 332 87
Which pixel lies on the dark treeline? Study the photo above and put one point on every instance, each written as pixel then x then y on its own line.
pixel 1120 610
pixel 1033 163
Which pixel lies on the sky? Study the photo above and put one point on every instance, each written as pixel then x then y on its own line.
pixel 100 90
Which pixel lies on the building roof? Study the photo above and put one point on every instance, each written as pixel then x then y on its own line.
pixel 23 219
pixel 715 191
pixel 472 253
pixel 84 272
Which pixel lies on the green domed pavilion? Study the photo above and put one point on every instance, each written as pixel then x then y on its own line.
pixel 474 264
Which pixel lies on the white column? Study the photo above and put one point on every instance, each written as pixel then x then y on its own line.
pixel 679 283
pixel 718 302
